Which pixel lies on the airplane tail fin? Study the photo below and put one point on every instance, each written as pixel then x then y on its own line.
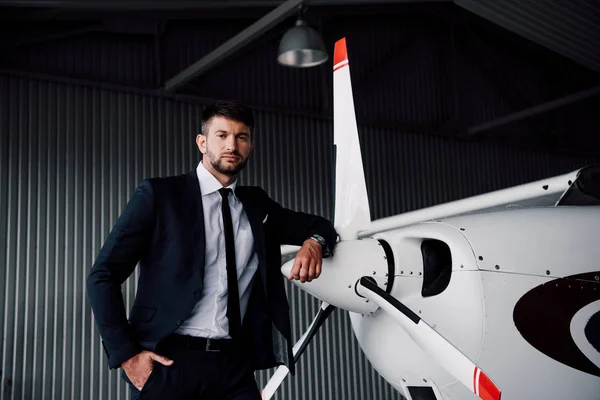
pixel 352 212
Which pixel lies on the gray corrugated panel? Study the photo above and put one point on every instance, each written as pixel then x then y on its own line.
pixel 4 214
pixel 97 56
pixel 401 67
pixel 72 156
pixel 570 27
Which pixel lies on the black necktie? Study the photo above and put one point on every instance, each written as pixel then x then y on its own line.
pixel 233 298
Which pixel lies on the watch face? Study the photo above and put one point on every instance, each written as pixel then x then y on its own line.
pixel 319 239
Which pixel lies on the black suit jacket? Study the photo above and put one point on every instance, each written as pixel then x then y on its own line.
pixel 162 228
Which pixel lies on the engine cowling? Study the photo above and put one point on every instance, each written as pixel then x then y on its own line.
pixel 352 260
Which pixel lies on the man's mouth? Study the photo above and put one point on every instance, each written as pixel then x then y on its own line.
pixel 230 157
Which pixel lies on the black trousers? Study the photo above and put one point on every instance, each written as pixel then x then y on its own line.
pixel 221 371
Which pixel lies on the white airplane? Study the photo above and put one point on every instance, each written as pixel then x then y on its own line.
pixel 492 296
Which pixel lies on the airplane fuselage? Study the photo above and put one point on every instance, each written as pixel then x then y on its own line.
pixel 517 291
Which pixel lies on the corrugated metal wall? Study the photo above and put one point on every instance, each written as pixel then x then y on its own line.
pixel 70 156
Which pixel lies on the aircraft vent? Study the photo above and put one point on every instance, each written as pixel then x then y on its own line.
pixel 437 267
pixel 421 393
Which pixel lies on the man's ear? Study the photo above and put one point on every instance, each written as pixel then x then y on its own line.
pixel 201 142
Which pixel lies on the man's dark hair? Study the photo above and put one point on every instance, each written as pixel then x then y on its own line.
pixel 230 109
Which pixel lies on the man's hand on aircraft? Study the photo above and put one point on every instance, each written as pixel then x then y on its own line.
pixel 307 265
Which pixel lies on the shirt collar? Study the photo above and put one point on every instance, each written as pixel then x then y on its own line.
pixel 208 183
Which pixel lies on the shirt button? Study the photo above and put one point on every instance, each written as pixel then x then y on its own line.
pixel 179 322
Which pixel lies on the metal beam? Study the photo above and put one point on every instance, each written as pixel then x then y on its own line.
pixel 232 45
pixel 187 4
pixel 12 41
pixel 530 112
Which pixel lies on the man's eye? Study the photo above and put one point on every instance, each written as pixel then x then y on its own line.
pixel 221 135
pixel 243 138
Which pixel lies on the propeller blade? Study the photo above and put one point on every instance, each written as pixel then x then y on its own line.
pixel 282 372
pixel 434 344
pixel 352 212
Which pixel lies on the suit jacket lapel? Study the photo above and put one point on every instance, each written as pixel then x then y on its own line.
pixel 196 218
pixel 256 224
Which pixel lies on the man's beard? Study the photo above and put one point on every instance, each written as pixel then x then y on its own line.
pixel 219 165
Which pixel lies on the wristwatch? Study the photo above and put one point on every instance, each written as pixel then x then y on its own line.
pixel 321 240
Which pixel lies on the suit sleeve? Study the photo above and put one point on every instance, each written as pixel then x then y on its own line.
pixel 126 244
pixel 294 227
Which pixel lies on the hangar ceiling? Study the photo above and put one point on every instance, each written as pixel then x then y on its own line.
pixel 541 58
pixel 569 27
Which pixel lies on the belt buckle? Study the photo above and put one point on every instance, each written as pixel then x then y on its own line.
pixel 209 348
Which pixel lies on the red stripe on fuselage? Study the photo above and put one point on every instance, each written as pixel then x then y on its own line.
pixel 487 389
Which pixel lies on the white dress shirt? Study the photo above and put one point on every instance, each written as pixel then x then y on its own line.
pixel 209 315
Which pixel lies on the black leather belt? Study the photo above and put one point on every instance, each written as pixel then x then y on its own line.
pixel 199 343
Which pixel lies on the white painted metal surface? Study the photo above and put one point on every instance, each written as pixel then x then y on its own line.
pixel 552 241
pixel 339 275
pixel 522 371
pixel 456 313
pixel 351 202
pixel 498 259
pixel 440 350
pixel 487 333
pixel 545 192
pixel 578 324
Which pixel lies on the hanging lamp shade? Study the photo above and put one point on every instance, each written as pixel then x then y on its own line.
pixel 302 47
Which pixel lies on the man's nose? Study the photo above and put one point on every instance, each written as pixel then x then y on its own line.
pixel 231 143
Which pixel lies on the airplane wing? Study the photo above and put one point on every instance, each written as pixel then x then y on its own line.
pixel 585 191
pixel 580 187
pixel 549 192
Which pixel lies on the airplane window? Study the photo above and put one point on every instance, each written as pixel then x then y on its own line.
pixel 437 267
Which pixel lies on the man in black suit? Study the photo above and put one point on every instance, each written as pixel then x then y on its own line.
pixel 210 307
